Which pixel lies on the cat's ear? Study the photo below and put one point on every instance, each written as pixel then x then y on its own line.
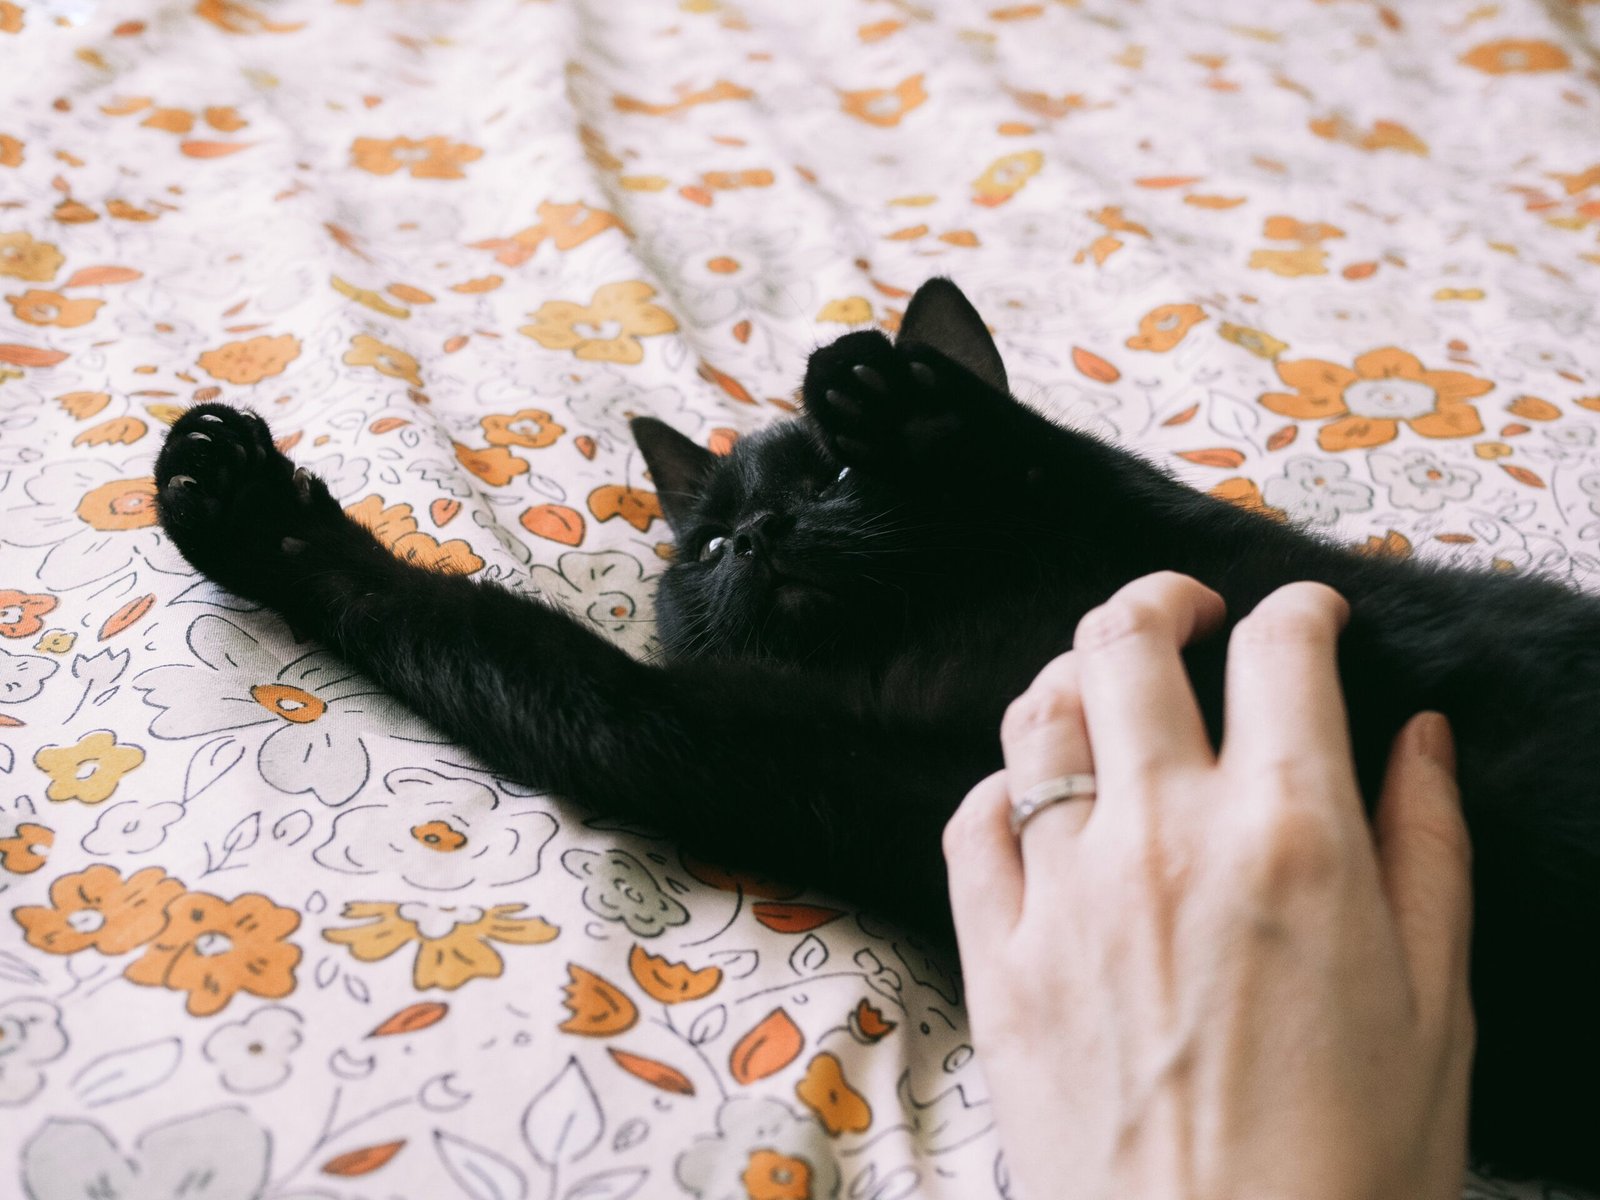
pixel 678 467
pixel 941 318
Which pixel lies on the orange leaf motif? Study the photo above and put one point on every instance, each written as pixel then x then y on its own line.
pixel 125 616
pixel 1522 475
pixel 385 424
pixel 598 1008
pixel 1219 457
pixel 199 149
pixel 94 276
pixel 722 440
pixel 726 382
pixel 555 522
pixel 586 445
pixel 637 508
pixel 363 1161
pixel 1184 417
pixel 412 1018
pixel 670 982
pixel 29 356
pixel 656 1074
pixel 1532 408
pixel 443 511
pixel 1094 366
pixel 794 918
pixel 768 1048
pixel 1283 437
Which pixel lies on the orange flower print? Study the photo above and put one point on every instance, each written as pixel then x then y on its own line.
pixel 866 1024
pixel 599 1007
pixel 453 941
pixel 99 910
pixel 26 850
pixel 670 982
pixel 213 949
pixel 1387 388
pixel 1004 177
pixel 1164 326
pixel 10 151
pixel 252 360
pixel 428 158
pixel 90 770
pixel 607 329
pixel 20 612
pixel 10 17
pixel 773 1176
pixel 368 351
pixel 531 428
pixel 397 529
pixel 824 1090
pixel 885 107
pixel 1516 56
pixel 23 258
pixel 495 465
pixel 119 504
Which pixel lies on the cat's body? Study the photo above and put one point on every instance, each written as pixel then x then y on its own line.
pixel 839 662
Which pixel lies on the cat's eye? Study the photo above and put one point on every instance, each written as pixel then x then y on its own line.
pixel 712 548
pixel 837 480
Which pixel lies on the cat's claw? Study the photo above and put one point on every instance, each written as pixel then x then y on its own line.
pixel 233 503
pixel 882 406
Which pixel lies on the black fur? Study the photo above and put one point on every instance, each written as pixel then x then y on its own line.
pixel 838 664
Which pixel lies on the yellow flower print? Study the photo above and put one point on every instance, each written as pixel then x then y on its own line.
pixel 368 351
pixel 251 361
pixel 885 107
pixel 607 329
pixel 90 770
pixel 23 258
pixel 453 941
pixel 1514 56
pixel 26 850
pixel 531 428
pixel 99 910
pixel 1004 177
pixel 427 158
pixel 1388 387
pixel 214 949
pixel 772 1176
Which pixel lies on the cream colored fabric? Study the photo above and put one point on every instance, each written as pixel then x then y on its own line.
pixel 259 927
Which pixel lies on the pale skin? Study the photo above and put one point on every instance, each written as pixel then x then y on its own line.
pixel 1217 979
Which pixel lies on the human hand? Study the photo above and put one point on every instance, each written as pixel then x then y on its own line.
pixel 1216 979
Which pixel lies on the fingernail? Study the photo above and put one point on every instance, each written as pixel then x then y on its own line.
pixel 1431 737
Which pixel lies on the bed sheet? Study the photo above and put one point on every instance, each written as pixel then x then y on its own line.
pixel 262 934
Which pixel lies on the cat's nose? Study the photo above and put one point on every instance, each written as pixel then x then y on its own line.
pixel 757 534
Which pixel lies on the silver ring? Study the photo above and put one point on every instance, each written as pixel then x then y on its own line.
pixel 1052 791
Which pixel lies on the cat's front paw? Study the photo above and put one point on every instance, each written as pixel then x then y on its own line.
pixel 235 507
pixel 882 406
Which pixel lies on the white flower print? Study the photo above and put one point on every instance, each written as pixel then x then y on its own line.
pixel 1420 479
pixel 72 1159
pixel 439 834
pixel 717 272
pixel 22 676
pixel 30 1035
pixel 621 888
pixel 760 1140
pixel 320 712
pixel 610 589
pixel 1317 490
pixel 253 1055
pixel 132 827
pixel 96 517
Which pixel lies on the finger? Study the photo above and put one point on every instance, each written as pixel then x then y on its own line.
pixel 1138 704
pixel 1044 737
pixel 1285 711
pixel 984 865
pixel 1424 861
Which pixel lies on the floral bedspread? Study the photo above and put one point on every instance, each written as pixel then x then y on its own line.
pixel 262 934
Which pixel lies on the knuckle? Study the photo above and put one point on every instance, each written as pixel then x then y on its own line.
pixel 1291 848
pixel 1126 615
pixel 1298 612
pixel 1043 705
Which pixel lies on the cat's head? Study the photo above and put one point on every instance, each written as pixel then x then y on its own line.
pixel 783 552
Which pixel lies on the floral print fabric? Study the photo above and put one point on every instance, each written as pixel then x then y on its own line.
pixel 260 927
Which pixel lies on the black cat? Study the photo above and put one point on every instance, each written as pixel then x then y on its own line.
pixel 856 598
